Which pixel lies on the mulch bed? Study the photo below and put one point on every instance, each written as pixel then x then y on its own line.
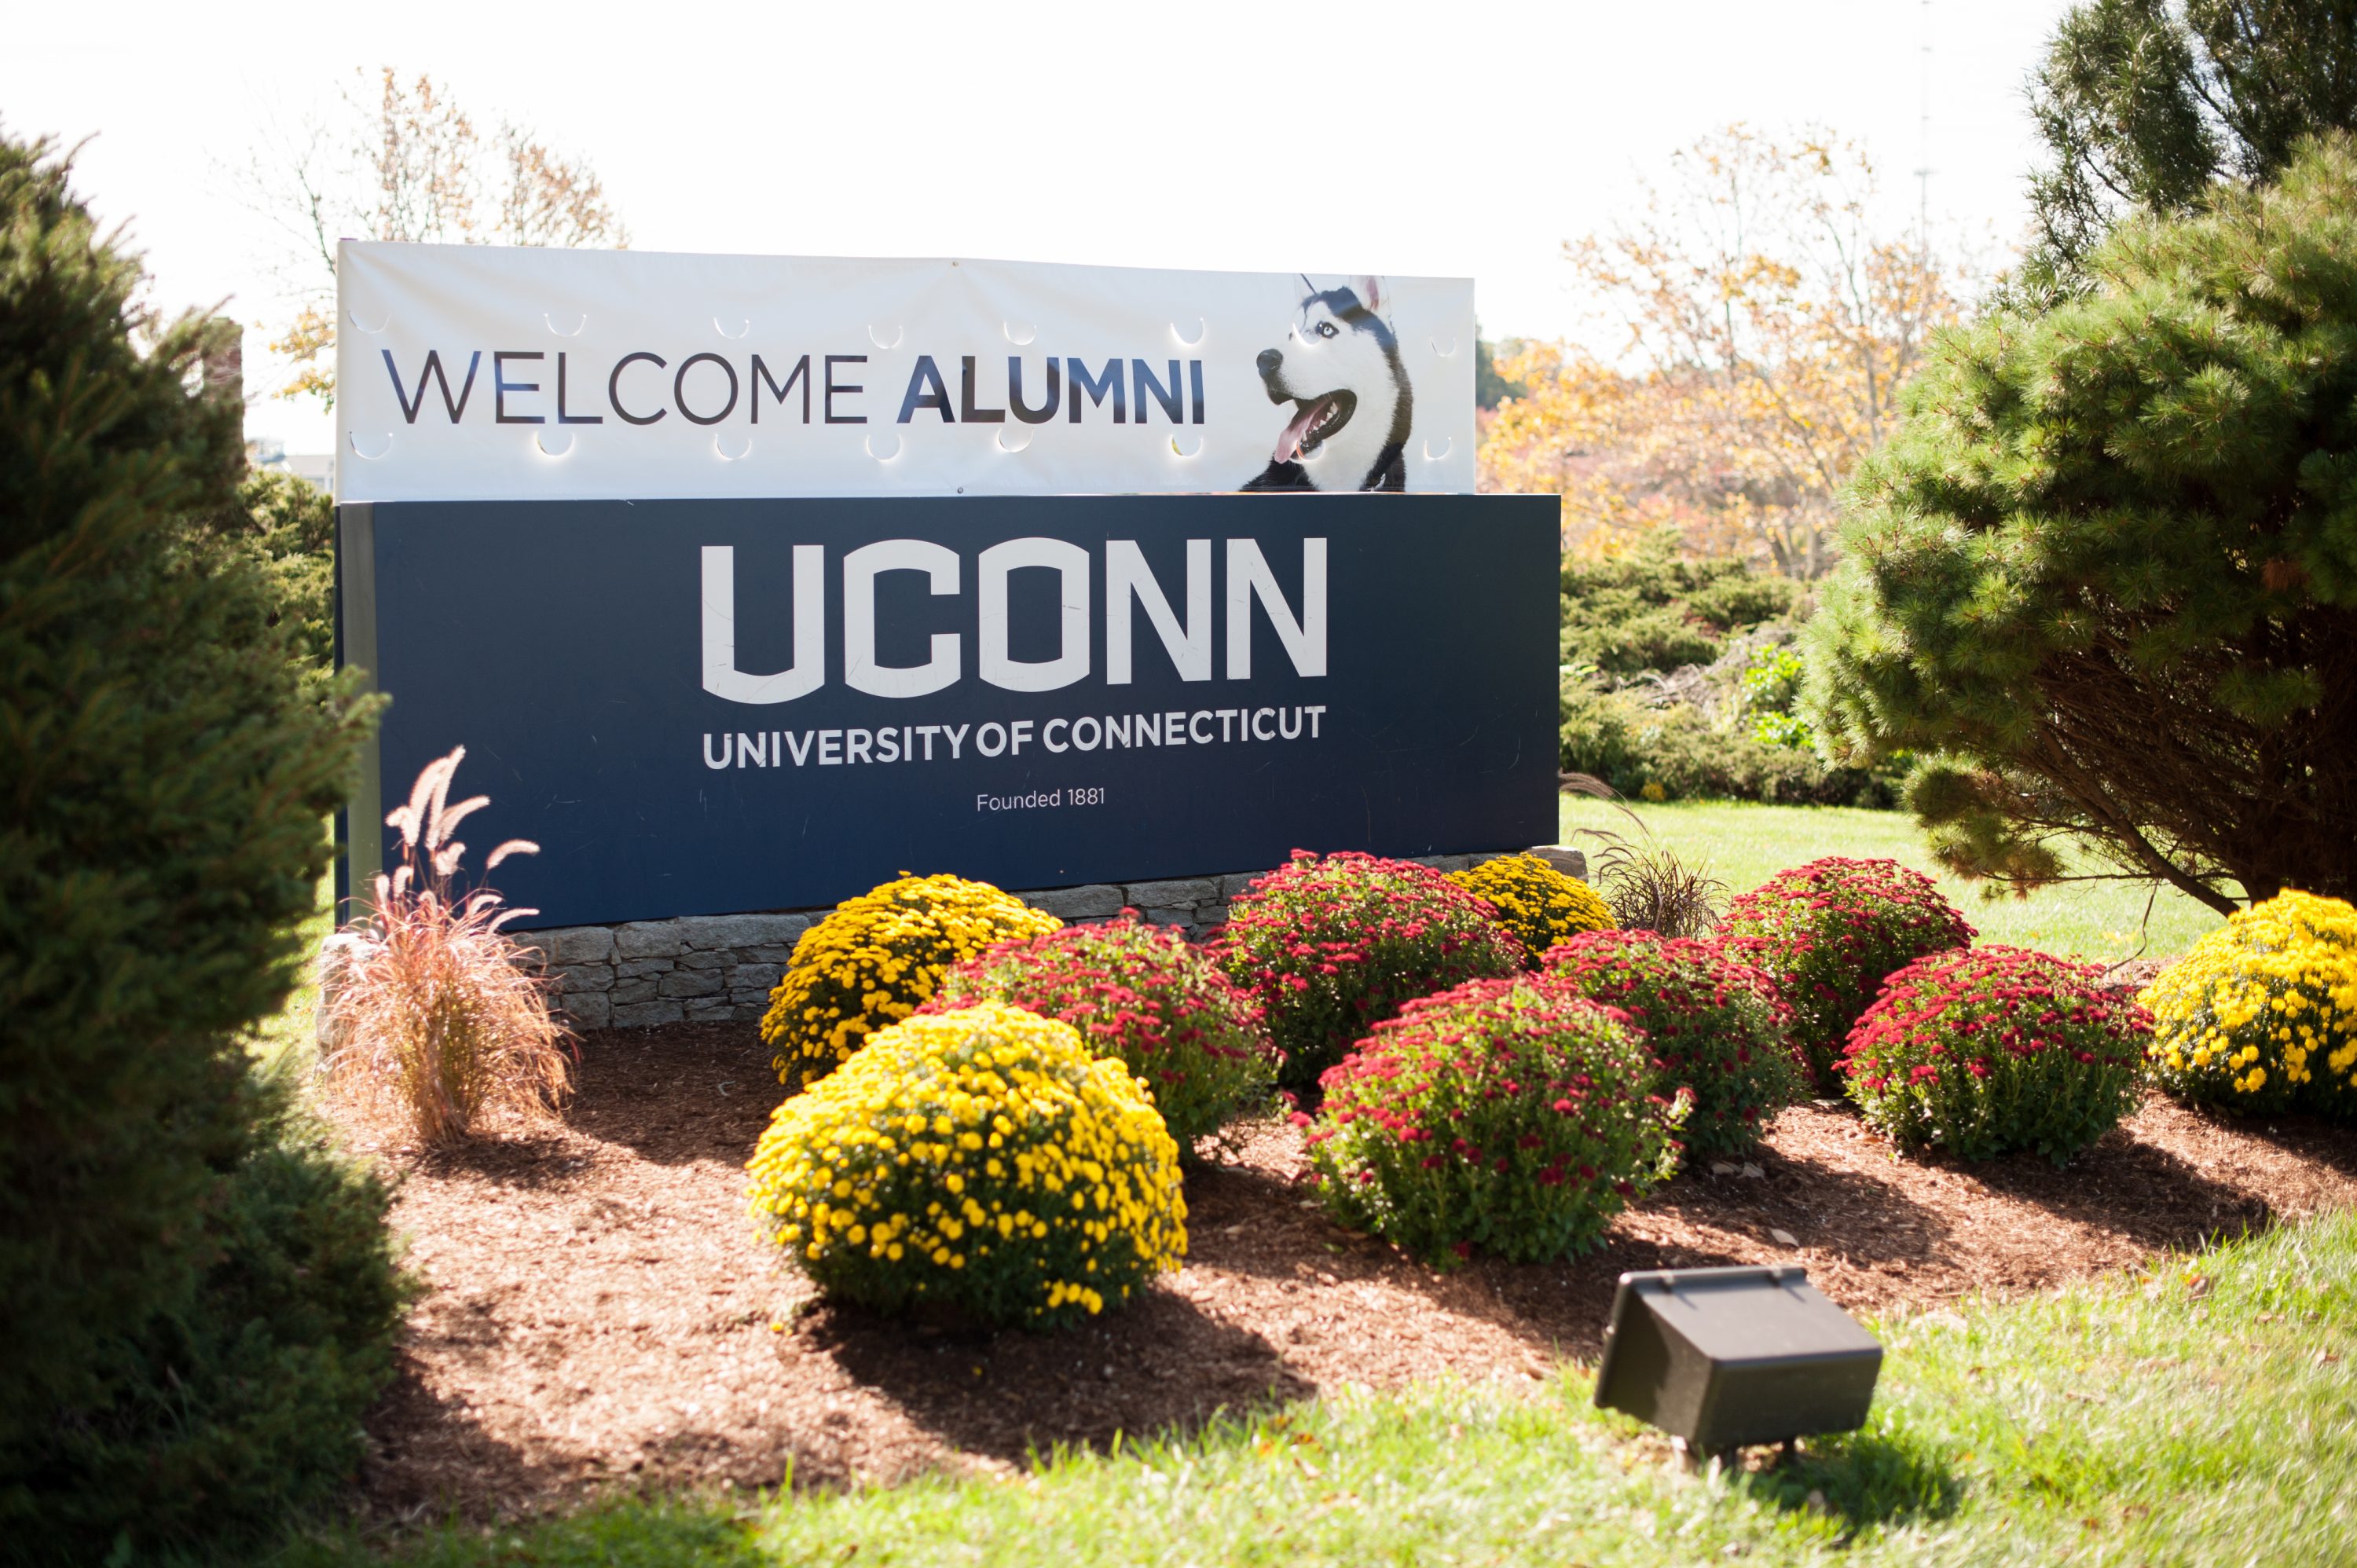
pixel 601 1318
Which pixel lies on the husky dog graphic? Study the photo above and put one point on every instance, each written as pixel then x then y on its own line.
pixel 1340 369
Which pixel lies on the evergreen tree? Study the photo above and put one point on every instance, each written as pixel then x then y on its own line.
pixel 164 768
pixel 2151 105
pixel 2108 566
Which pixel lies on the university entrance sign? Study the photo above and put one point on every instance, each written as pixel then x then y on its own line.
pixel 721 638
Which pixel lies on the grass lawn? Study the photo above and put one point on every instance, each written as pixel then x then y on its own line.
pixel 1744 844
pixel 2203 1412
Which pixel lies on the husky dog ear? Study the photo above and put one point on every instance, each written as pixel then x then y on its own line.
pixel 1370 293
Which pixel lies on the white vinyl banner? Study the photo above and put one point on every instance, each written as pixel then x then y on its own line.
pixel 475 372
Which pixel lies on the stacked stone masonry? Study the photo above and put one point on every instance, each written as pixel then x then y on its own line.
pixel 721 968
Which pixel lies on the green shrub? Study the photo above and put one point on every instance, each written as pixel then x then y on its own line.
pixel 1829 933
pixel 1332 946
pixel 873 960
pixel 1675 752
pixel 1511 1115
pixel 980 1160
pixel 2262 1014
pixel 1980 1051
pixel 1655 608
pixel 1715 1026
pixel 1143 993
pixel 1540 905
pixel 168 767
pixel 245 1403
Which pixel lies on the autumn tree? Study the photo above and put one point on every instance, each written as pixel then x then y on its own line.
pixel 406 163
pixel 1757 325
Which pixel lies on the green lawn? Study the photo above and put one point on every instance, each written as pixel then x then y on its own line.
pixel 1744 844
pixel 2203 1412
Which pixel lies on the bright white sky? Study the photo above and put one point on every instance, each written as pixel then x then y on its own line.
pixel 1455 139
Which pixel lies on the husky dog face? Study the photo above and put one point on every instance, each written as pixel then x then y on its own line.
pixel 1339 367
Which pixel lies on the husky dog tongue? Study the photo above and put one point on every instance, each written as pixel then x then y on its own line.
pixel 1318 417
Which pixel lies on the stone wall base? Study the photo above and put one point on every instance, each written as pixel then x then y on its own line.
pixel 721 968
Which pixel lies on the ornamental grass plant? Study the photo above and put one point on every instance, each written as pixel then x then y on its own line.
pixel 1540 905
pixel 2262 1014
pixel 440 1016
pixel 877 957
pixel 1332 946
pixel 982 1160
pixel 1716 1027
pixel 1982 1051
pixel 1141 992
pixel 1512 1115
pixel 1829 933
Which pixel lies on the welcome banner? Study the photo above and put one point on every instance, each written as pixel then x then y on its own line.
pixel 468 372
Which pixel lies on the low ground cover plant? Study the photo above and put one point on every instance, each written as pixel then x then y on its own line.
pixel 983 1160
pixel 2262 1014
pixel 1332 946
pixel 1981 1051
pixel 1715 1026
pixel 875 958
pixel 1540 905
pixel 1141 992
pixel 439 1017
pixel 1510 1115
pixel 1829 933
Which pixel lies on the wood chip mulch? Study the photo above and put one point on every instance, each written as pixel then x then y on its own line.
pixel 601 1318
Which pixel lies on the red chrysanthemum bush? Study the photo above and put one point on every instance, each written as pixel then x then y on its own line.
pixel 1828 933
pixel 1512 1115
pixel 1144 994
pixel 1715 1025
pixel 1332 946
pixel 1985 1050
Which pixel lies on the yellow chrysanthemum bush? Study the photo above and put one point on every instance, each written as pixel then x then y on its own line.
pixel 1540 905
pixel 876 958
pixel 980 1160
pixel 2262 1014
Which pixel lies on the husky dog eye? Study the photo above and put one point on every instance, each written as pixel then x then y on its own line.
pixel 1326 329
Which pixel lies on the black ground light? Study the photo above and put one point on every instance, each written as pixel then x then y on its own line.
pixel 1721 1358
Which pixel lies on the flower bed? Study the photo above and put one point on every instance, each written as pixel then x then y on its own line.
pixel 1714 1025
pixel 875 958
pixel 2262 1014
pixel 1508 1115
pixel 1332 946
pixel 1141 992
pixel 979 1159
pixel 1829 933
pixel 1984 1050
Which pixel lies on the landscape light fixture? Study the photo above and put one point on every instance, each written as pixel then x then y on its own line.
pixel 1722 1358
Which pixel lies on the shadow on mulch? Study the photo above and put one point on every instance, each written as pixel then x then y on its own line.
pixel 602 1318
pixel 1161 1367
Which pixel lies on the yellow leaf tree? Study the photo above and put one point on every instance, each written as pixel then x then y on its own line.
pixel 1757 330
pixel 406 163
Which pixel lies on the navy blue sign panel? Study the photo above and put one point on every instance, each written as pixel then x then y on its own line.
pixel 710 706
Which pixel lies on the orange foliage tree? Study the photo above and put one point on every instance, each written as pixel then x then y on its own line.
pixel 1758 329
pixel 412 166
